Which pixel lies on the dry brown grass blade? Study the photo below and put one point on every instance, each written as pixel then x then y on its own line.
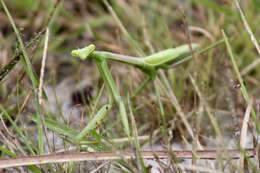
pixel 213 120
pixel 44 57
pixel 255 63
pixel 248 29
pixel 33 41
pixel 96 156
pixel 185 167
pixel 244 132
pixel 250 67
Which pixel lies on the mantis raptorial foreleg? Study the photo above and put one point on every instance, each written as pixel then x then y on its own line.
pixel 143 85
pixel 110 83
pixel 114 93
pixel 94 122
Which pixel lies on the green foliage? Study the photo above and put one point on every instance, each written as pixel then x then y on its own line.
pixel 170 107
pixel 24 5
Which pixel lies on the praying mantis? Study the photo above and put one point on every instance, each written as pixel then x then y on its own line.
pixel 149 65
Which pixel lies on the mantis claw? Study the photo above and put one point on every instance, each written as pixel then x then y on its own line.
pixel 94 122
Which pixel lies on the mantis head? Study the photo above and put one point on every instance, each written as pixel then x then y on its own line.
pixel 83 53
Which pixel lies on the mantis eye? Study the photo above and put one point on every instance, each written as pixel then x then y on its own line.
pixel 84 52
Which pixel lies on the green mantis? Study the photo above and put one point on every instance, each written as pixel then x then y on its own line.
pixel 149 65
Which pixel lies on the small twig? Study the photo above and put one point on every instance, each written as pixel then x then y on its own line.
pixel 97 156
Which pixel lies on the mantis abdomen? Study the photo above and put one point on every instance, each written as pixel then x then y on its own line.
pixel 169 55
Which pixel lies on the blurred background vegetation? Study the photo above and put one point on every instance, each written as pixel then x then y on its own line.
pixel 130 27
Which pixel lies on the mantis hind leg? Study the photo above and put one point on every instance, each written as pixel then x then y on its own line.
pixel 144 84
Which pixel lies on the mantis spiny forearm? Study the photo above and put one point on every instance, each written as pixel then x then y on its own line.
pixel 110 83
pixel 111 86
pixel 149 65
pixel 94 122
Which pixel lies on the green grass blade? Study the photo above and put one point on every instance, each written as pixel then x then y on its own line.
pixel 109 81
pixel 60 128
pixel 17 56
pixel 200 51
pixel 27 63
pixel 7 152
pixel 240 79
pixel 161 118
pixel 6 69
pixel 29 70
pixel 18 130
pixel 213 120
pixel 128 36
pixel 216 7
pixel 140 161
